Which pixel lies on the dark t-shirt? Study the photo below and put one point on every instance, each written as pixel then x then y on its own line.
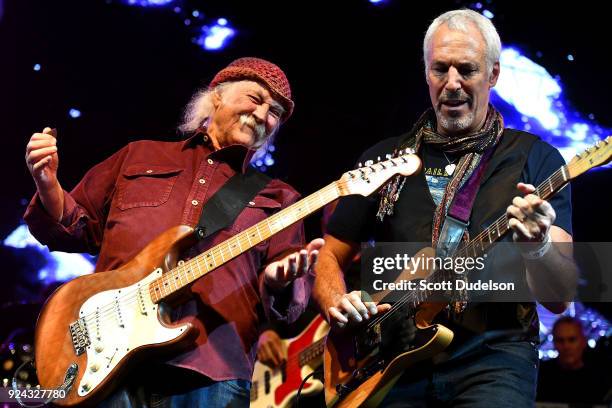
pixel 355 218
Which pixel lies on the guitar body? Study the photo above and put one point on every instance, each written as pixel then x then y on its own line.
pixel 278 387
pixel 342 367
pixel 118 336
pixel 355 361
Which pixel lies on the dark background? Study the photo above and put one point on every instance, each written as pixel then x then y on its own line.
pixel 355 69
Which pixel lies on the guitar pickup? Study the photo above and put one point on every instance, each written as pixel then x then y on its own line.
pixel 367 342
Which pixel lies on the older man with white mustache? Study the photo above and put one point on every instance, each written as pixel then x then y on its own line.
pixel 148 187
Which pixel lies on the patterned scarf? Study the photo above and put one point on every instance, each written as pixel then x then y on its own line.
pixel 470 146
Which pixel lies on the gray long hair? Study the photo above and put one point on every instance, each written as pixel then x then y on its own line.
pixel 459 20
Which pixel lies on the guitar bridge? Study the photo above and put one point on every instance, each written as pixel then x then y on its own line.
pixel 80 336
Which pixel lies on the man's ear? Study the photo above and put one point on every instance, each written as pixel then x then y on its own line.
pixel 494 75
pixel 216 99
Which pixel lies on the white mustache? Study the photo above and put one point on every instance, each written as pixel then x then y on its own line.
pixel 259 128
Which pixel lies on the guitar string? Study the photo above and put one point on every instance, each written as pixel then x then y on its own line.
pixel 130 297
pixel 557 177
pixel 108 310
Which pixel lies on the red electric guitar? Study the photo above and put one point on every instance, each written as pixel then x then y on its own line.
pixel 278 387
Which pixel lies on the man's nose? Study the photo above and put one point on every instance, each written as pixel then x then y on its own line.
pixel 261 112
pixel 454 80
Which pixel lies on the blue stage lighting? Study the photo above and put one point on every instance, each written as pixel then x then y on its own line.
pixel 74 113
pixel 531 99
pixel 148 3
pixel 215 37
pixel 59 266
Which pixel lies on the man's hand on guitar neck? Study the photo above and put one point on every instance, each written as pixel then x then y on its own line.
pixel 530 217
pixel 280 274
pixel 551 270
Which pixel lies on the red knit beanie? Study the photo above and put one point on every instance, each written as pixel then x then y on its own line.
pixel 260 70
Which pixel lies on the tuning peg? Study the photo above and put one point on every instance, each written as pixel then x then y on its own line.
pixel 369 163
pixel 359 165
pixel 378 159
pixel 388 156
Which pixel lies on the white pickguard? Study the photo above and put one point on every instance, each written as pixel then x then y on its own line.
pixel 118 321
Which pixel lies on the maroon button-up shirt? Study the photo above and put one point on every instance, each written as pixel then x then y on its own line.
pixel 148 187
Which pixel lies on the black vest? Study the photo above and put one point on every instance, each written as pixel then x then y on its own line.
pixel 412 222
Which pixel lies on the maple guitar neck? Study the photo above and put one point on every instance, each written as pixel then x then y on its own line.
pixel 195 268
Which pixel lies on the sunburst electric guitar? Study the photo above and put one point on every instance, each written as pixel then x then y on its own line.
pixel 93 328
pixel 359 370
pixel 278 387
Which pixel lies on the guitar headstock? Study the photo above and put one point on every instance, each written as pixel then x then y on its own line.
pixel 597 155
pixel 367 179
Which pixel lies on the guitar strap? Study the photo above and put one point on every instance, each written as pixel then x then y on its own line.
pixel 224 206
pixel 456 222
pixel 457 217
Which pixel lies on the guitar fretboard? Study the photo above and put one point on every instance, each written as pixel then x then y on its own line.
pixel 313 351
pixel 483 241
pixel 195 268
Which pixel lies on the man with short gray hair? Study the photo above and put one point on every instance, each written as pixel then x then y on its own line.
pixel 492 359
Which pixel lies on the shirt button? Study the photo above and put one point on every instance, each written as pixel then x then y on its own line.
pixel 210 161
pixel 205 138
pixel 251 203
pixel 194 202
pixel 202 181
pixel 149 171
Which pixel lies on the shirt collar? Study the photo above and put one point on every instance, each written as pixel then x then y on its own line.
pixel 237 156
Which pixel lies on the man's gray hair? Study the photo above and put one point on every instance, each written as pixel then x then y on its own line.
pixel 459 20
pixel 199 108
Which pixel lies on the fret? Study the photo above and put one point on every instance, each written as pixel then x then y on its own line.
pixel 279 221
pixel 180 272
pixel 269 226
pixel 197 262
pixel 248 233
pixel 238 239
pixel 163 287
pixel 564 174
pixel 210 257
pixel 170 282
pixel 550 184
pixel 232 245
